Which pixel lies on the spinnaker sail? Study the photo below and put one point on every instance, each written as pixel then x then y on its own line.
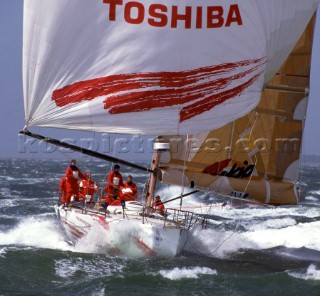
pixel 144 67
pixel 256 157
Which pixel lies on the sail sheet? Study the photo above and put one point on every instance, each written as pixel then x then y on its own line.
pixel 256 157
pixel 153 67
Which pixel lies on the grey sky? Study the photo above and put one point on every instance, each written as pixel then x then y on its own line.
pixel 11 110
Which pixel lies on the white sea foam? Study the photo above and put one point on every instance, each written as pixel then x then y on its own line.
pixel 11 217
pixel 217 243
pixel 196 204
pixel 317 192
pixel 119 239
pixel 312 273
pixel 186 273
pixel 311 198
pixel 100 165
pixel 26 180
pixel 296 236
pixel 99 292
pixel 3 252
pixel 223 243
pixel 66 268
pixel 250 213
pixel 271 223
pixel 5 192
pixel 7 203
pixel 8 178
pixel 35 232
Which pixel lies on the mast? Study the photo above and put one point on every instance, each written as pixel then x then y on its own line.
pixel 157 147
pixel 153 177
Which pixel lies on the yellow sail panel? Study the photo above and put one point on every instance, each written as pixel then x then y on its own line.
pixel 257 156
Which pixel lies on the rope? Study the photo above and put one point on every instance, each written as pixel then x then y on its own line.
pixel 208 254
pixel 186 152
pixel 226 239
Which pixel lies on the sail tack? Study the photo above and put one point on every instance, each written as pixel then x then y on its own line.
pixel 148 67
pixel 256 157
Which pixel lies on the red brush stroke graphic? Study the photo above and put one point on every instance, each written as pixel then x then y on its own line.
pixel 168 97
pixel 210 102
pixel 204 88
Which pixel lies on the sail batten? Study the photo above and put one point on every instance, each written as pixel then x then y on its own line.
pixel 128 68
pixel 287 88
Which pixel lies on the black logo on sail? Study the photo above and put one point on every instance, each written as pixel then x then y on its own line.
pixel 236 171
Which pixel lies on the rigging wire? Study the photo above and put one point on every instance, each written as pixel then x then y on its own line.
pixel 108 170
pixel 91 157
pixel 256 159
pixel 49 181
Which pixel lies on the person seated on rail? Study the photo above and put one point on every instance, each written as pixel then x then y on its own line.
pixel 87 188
pixel 158 206
pixel 129 190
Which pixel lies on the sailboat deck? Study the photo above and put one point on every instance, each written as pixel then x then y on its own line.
pixel 172 219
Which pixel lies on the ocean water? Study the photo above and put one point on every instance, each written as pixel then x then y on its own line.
pixel 248 250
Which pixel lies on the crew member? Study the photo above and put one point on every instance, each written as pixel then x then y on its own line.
pixel 130 190
pixel 63 190
pixel 115 181
pixel 158 205
pixel 72 176
pixel 87 188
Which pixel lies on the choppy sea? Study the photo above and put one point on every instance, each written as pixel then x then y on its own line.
pixel 249 250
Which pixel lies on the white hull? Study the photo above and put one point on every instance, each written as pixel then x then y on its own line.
pixel 129 234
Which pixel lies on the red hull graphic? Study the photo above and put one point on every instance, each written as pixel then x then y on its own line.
pixel 194 91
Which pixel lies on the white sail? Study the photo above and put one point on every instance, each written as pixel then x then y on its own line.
pixel 173 68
